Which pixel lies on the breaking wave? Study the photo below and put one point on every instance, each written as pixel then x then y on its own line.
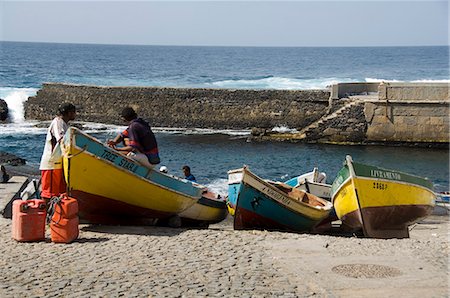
pixel 15 97
pixel 280 83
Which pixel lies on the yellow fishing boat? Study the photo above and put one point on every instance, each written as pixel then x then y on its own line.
pixel 381 202
pixel 112 188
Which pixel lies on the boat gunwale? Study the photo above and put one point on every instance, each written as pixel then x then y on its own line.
pixel 406 175
pixel 235 171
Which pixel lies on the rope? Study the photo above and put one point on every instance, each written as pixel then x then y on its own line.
pixel 55 201
pixel 84 148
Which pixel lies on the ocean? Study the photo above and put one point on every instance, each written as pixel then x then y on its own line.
pixel 211 153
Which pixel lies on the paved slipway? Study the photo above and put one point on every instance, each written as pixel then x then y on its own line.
pixel 114 261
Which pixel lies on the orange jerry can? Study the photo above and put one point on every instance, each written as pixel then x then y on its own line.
pixel 28 220
pixel 64 221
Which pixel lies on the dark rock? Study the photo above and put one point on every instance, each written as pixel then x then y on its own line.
pixel 3 110
pixel 258 132
pixel 11 159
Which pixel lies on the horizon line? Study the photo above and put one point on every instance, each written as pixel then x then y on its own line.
pixel 231 46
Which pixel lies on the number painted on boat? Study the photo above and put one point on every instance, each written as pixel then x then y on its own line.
pixel 380 186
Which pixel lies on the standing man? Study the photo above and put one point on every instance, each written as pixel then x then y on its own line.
pixel 53 183
pixel 140 142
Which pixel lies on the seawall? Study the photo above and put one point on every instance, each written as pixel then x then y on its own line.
pixel 351 113
pixel 397 113
pixel 184 107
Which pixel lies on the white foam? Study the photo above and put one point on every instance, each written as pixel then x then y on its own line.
pixel 431 81
pixel 375 80
pixel 200 131
pixel 15 97
pixel 93 127
pixel 22 128
pixel 280 83
pixel 284 129
pixel 218 186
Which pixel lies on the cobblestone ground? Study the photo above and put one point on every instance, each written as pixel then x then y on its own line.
pixel 116 261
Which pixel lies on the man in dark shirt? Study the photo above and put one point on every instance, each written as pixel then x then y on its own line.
pixel 140 142
pixel 187 174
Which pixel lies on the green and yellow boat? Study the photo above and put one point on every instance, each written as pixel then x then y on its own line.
pixel 381 202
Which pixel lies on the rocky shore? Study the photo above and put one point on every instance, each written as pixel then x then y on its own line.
pixel 16 166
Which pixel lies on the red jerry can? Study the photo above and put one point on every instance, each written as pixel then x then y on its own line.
pixel 28 220
pixel 64 221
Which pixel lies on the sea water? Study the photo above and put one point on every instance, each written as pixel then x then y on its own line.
pixel 211 153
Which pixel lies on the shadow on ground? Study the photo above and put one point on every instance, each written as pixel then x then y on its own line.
pixel 134 230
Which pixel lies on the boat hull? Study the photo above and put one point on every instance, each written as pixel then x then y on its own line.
pixel 234 187
pixel 112 188
pixel 380 207
pixel 101 210
pixel 262 206
pixel 207 210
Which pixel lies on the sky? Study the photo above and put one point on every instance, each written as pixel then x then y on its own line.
pixel 228 23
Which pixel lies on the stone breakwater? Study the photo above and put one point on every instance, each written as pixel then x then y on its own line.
pixel 358 113
pixel 184 107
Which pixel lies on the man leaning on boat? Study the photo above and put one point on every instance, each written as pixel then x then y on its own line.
pixel 139 141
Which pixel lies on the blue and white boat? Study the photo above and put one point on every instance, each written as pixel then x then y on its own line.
pixel 276 206
pixel 313 182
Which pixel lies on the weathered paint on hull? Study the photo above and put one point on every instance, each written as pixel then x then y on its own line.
pixel 206 210
pixel 386 222
pixel 233 192
pixel 256 210
pixel 100 210
pixel 382 208
pixel 234 187
pixel 345 202
pixel 248 220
